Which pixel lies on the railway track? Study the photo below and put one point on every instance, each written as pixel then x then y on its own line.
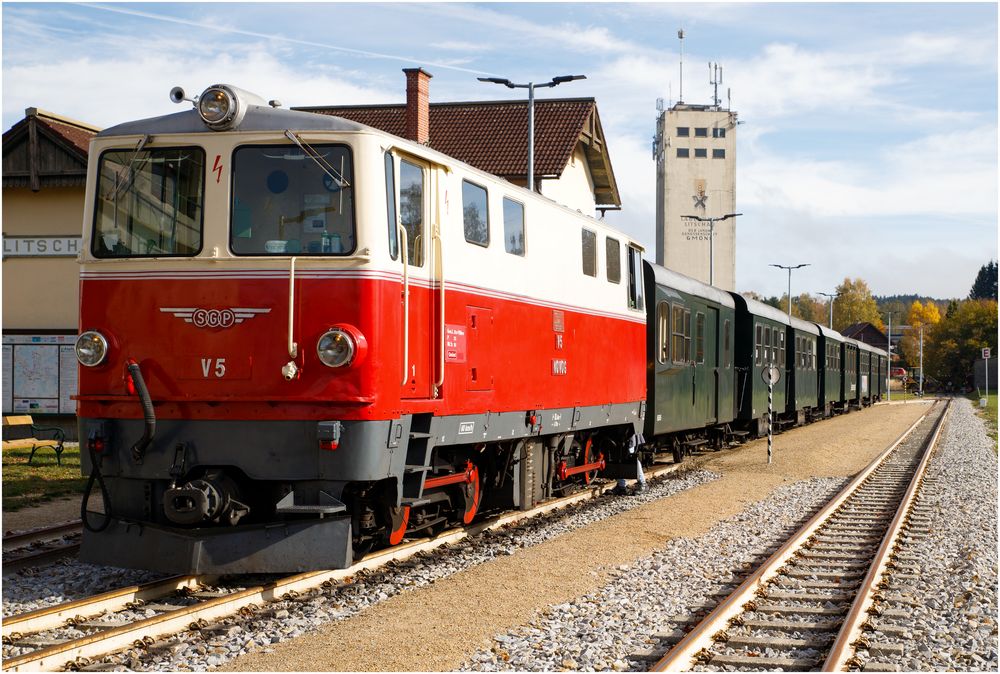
pixel 808 606
pixel 40 546
pixel 74 633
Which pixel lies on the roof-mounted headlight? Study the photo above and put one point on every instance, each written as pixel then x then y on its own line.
pixel 217 106
pixel 222 106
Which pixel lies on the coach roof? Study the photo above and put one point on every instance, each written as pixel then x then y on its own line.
pixel 686 284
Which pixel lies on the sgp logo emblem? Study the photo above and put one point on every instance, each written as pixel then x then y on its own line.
pixel 213 318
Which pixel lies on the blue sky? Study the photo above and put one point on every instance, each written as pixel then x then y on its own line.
pixel 869 143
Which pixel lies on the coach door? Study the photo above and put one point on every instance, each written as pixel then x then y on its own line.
pixel 418 297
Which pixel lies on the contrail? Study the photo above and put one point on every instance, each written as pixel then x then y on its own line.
pixel 279 38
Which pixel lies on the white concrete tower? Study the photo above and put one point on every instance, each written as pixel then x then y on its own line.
pixel 695 153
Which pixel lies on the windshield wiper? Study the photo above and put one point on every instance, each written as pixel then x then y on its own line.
pixel 120 178
pixel 327 168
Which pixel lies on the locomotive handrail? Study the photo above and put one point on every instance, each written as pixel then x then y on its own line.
pixel 439 254
pixel 439 251
pixel 293 348
pixel 406 300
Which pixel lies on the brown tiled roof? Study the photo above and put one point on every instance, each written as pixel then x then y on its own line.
pixel 492 135
pixel 59 158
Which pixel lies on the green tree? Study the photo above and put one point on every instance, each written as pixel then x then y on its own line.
pixel 954 344
pixel 985 285
pixel 855 304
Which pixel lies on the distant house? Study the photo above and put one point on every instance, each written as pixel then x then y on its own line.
pixel 867 333
pixel 572 164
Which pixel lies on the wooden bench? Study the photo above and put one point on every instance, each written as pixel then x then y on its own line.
pixel 55 443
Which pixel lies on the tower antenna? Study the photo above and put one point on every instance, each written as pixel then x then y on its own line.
pixel 680 92
pixel 715 79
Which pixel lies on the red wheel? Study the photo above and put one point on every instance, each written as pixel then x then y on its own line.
pixel 591 474
pixel 472 495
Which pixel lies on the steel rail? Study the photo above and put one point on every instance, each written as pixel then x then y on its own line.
pixel 50 617
pixel 39 558
pixel 117 638
pixel 25 538
pixel 683 655
pixel 841 651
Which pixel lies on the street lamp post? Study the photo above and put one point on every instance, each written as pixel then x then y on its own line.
pixel 531 86
pixel 888 381
pixel 781 266
pixel 832 298
pixel 711 240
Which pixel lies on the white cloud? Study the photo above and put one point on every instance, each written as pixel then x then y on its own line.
pixel 82 89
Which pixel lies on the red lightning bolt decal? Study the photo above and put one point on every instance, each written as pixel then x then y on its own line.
pixel 218 168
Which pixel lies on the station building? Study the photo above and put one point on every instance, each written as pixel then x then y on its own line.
pixel 695 150
pixel 44 180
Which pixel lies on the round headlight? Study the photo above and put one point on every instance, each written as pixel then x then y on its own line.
pixel 216 106
pixel 91 348
pixel 335 348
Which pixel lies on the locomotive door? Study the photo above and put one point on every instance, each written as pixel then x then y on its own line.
pixel 417 296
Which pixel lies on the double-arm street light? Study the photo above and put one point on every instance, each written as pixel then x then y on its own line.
pixel 531 86
pixel 832 298
pixel 711 240
pixel 781 266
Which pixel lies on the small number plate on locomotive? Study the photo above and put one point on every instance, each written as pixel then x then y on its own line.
pixel 214 367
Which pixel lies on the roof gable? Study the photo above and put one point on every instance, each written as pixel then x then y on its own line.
pixel 492 136
pixel 47 150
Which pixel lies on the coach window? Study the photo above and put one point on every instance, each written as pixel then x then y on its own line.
pixel 758 344
pixel 635 299
pixel 699 335
pixel 781 349
pixel 680 340
pixel 411 210
pixel 613 256
pixel 475 215
pixel 766 355
pixel 390 205
pixel 149 203
pixel 287 201
pixel 513 227
pixel 775 335
pixel 663 332
pixel 725 344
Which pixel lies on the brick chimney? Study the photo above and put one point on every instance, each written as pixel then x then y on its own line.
pixel 418 113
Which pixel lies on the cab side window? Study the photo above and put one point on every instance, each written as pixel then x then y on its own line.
pixel 411 210
pixel 635 298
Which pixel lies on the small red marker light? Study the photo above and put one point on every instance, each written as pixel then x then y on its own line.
pixel 329 445
pixel 97 444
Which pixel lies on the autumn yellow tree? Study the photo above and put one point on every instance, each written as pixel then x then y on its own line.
pixel 855 304
pixel 920 316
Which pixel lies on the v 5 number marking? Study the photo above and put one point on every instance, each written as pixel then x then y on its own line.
pixel 198 367
pixel 220 367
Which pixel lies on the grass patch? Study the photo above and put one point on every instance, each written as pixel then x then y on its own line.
pixel 989 413
pixel 43 480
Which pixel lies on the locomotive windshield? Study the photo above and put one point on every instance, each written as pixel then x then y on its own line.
pixel 289 202
pixel 149 203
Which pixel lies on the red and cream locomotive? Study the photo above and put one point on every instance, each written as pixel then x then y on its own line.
pixel 303 337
